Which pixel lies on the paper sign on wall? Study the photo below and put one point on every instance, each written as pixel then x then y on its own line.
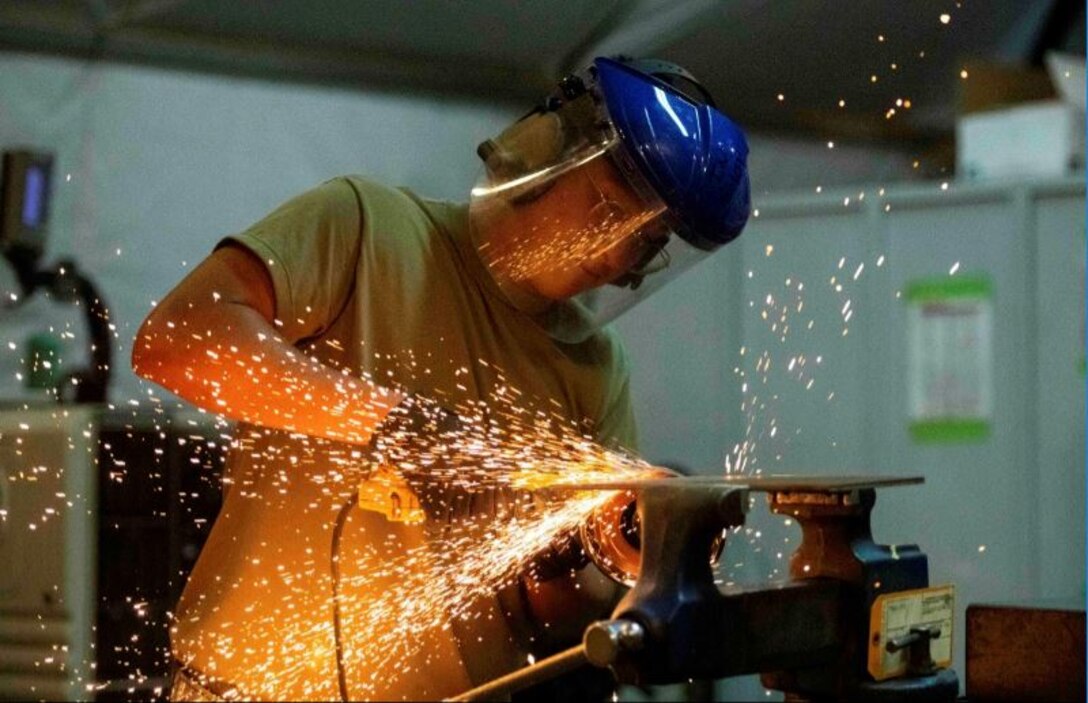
pixel 950 333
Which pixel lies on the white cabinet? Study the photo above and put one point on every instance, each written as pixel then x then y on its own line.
pixel 104 515
pixel 48 492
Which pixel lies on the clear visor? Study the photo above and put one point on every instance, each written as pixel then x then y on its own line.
pixel 569 229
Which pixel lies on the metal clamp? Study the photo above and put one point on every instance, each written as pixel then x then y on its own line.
pixel 916 642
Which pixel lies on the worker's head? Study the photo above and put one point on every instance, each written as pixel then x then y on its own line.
pixel 625 177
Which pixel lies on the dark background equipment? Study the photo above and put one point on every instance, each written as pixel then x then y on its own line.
pixel 25 194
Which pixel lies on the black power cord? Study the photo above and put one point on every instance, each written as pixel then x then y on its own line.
pixel 67 283
pixel 334 568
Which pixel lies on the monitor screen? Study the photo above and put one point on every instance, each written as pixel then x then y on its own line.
pixel 34 196
pixel 24 200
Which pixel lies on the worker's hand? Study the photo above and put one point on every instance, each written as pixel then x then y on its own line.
pixel 415 452
pixel 414 434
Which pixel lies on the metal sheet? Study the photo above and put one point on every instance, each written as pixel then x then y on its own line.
pixel 782 482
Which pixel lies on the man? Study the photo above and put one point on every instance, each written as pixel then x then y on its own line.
pixel 353 299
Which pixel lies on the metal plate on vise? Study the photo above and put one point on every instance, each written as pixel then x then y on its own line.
pixel 766 483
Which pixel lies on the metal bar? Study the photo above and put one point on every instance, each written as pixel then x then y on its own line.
pixel 816 484
pixel 545 669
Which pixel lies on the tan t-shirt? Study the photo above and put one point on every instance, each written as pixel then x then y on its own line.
pixel 378 281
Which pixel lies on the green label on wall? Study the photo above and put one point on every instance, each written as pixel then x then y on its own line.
pixel 951 288
pixel 950 369
pixel 950 430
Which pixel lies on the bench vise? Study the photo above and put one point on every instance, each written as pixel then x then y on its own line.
pixel 818 636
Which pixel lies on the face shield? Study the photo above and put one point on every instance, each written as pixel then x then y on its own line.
pixel 571 223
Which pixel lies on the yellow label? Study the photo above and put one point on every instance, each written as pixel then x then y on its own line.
pixel 894 614
pixel 386 492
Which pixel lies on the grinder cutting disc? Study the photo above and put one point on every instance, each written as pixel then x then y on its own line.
pixel 612 539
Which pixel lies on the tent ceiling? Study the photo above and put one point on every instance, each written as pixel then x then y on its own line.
pixel 812 52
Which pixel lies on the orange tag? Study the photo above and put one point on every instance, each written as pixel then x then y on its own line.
pixel 386 492
pixel 894 614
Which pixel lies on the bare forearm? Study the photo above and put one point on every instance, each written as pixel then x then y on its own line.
pixel 228 359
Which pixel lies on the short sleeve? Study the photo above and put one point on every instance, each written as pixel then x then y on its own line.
pixel 310 246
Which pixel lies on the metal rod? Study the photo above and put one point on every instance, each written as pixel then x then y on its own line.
pixel 555 665
pixel 767 483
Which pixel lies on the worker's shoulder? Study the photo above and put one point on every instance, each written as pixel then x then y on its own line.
pixel 357 193
pixel 397 209
pixel 353 193
pixel 364 186
pixel 335 198
pixel 360 192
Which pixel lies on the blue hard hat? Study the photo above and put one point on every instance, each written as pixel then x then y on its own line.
pixel 695 157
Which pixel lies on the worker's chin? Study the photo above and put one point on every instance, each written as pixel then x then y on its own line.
pixel 565 285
